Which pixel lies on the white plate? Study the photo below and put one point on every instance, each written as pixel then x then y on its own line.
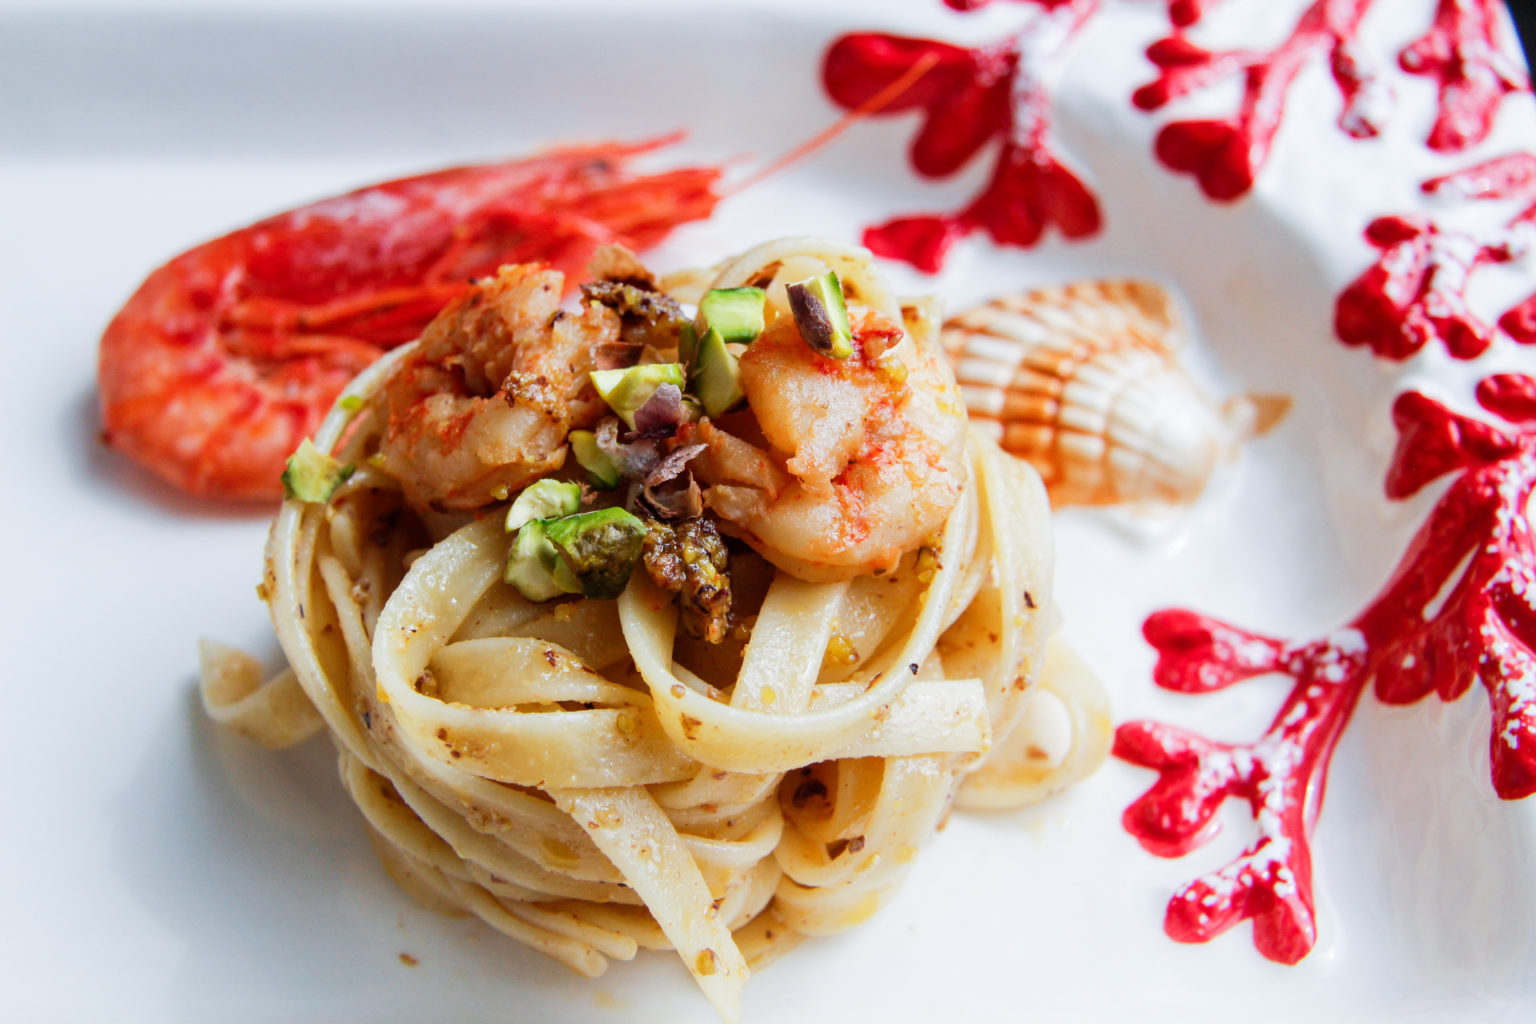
pixel 158 870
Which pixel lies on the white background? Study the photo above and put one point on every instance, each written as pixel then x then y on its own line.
pixel 157 870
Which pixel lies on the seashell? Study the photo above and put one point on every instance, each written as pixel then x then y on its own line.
pixel 1082 381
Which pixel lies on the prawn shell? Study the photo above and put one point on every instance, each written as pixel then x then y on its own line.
pixel 227 356
pixel 1083 381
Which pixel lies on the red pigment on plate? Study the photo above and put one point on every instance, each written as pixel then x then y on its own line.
pixel 969 98
pixel 1003 91
pixel 1460 607
pixel 1462 604
pixel 1226 154
pixel 1416 290
pixel 1460 50
pixel 1510 176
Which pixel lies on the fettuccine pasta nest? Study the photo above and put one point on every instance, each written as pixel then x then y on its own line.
pixel 591 778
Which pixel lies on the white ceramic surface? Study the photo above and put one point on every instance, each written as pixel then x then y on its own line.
pixel 157 870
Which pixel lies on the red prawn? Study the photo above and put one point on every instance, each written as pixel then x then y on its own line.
pixel 231 353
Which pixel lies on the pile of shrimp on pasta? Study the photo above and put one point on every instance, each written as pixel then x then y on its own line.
pixel 640 627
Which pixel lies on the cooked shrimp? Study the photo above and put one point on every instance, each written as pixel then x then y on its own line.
pixel 484 405
pixel 872 445
pixel 232 353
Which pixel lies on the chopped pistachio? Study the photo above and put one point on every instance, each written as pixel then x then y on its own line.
pixel 822 315
pixel 531 564
pixel 736 313
pixel 661 415
pixel 599 548
pixel 602 471
pixel 687 344
pixel 716 374
pixel 544 499
pixel 628 389
pixel 313 476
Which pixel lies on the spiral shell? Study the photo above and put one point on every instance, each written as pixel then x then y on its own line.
pixel 1082 380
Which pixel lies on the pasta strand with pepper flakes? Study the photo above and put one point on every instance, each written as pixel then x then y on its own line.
pixel 590 779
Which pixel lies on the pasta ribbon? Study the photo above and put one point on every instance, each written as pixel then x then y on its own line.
pixel 589 779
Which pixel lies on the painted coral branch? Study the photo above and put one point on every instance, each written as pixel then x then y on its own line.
pixel 1519 321
pixel 1416 290
pixel 1280 776
pixel 1474 557
pixel 1460 50
pixel 1512 174
pixel 1184 67
pixel 1461 606
pixel 1226 154
pixel 1462 53
pixel 972 97
pixel 1184 13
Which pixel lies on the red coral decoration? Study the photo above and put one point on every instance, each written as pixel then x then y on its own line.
pixel 970 97
pixel 1461 606
pixel 1416 290
pixel 1474 74
pixel 1512 175
pixel 1225 154
pixel 1183 13
pixel 1460 51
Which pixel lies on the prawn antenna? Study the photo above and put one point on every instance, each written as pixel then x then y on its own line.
pixel 873 105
